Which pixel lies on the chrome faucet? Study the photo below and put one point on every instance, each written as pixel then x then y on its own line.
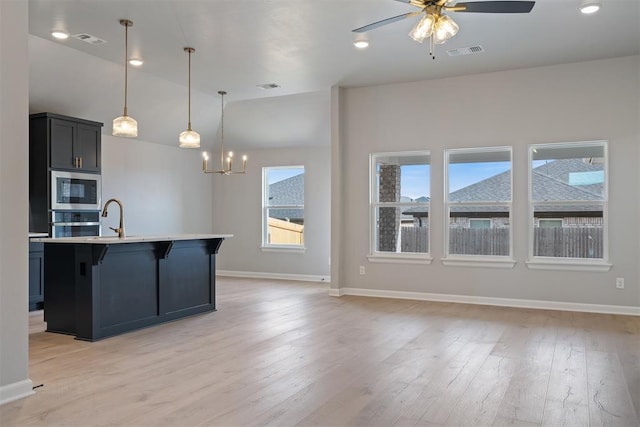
pixel 120 229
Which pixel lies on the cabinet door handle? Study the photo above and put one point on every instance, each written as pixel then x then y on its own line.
pixel 80 162
pixel 75 162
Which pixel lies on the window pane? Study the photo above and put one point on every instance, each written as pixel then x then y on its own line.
pixel 403 178
pixel 402 229
pixel 568 242
pixel 479 236
pixel 285 226
pixel 285 186
pixel 568 173
pixel 479 176
pixel 568 188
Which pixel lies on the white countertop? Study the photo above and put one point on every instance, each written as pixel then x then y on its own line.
pixel 101 240
pixel 38 235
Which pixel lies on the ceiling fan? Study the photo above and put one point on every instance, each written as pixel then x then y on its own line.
pixel 437 26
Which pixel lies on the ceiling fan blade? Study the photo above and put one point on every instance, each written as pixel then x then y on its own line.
pixel 384 22
pixel 494 6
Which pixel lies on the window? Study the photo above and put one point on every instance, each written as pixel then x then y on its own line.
pixel 400 196
pixel 568 201
pixel 283 207
pixel 478 204
pixel 479 223
pixel 549 223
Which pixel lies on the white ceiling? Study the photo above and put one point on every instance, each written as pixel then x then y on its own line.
pixel 303 45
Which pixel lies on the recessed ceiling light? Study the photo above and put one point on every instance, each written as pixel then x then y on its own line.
pixel 588 7
pixel 60 35
pixel 136 62
pixel 361 44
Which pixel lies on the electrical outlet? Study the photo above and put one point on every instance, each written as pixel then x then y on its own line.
pixel 362 270
pixel 620 282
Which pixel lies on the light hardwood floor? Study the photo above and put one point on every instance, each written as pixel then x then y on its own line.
pixel 284 353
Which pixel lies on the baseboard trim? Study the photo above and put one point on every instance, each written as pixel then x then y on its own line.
pixel 277 276
pixel 15 391
pixel 502 302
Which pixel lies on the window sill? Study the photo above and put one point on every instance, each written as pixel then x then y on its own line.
pixel 402 258
pixel 284 248
pixel 569 265
pixel 479 262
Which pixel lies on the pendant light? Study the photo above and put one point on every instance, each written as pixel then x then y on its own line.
pixel 189 138
pixel 228 170
pixel 125 125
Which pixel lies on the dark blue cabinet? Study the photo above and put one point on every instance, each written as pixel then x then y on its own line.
pixel 36 276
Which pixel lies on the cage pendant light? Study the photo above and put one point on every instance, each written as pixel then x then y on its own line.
pixel 125 125
pixel 189 138
pixel 224 170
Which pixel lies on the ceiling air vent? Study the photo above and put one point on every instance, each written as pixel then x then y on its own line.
pixel 89 38
pixel 267 86
pixel 465 51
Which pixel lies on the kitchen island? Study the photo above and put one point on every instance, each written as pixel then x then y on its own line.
pixel 97 287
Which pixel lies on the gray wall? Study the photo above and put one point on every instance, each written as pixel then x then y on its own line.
pixel 162 188
pixel 575 102
pixel 14 189
pixel 238 210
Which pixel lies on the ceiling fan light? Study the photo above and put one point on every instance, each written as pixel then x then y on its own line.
pixel 445 28
pixel 125 126
pixel 189 139
pixel 423 29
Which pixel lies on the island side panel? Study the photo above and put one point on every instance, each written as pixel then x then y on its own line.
pixel 187 279
pixel 59 288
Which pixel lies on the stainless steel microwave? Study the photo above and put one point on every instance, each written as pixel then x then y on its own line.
pixel 73 190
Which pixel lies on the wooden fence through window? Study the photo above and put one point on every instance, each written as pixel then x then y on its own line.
pixel 568 242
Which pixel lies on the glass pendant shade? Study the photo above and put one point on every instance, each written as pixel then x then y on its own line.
pixel 445 28
pixel 423 28
pixel 125 126
pixel 189 139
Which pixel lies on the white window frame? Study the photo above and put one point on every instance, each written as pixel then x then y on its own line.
pixel 266 246
pixel 465 260
pixel 570 264
pixel 394 257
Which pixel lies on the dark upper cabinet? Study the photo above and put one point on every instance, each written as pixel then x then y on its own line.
pixel 70 143
pixel 88 147
pixel 63 136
